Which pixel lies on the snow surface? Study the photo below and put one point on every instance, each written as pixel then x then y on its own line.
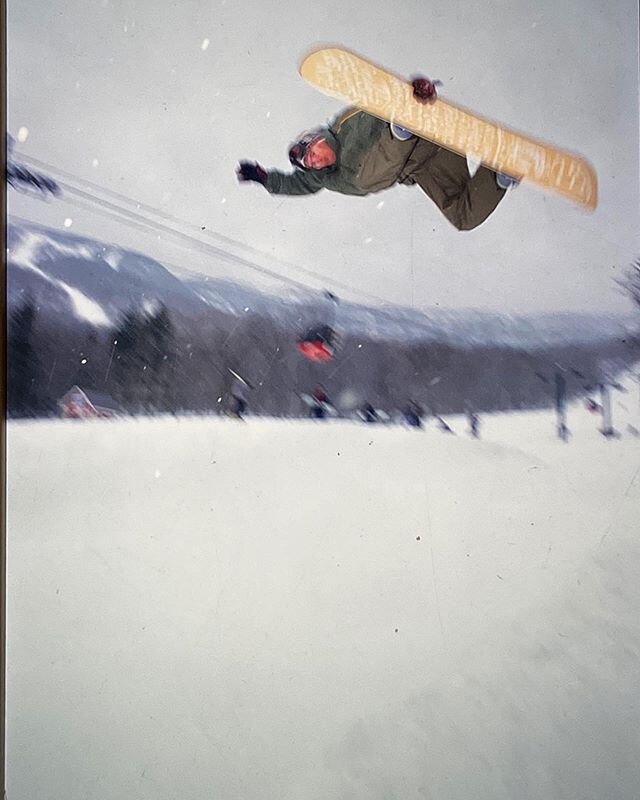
pixel 25 253
pixel 31 245
pixel 113 257
pixel 84 306
pixel 209 608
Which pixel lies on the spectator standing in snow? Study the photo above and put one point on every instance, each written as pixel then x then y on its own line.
pixel 319 403
pixel 413 414
pixel 474 424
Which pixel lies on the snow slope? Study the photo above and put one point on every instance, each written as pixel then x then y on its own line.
pixel 276 610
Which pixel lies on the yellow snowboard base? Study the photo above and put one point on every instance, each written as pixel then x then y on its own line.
pixel 345 75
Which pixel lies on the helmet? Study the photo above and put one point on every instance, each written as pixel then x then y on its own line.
pixel 299 147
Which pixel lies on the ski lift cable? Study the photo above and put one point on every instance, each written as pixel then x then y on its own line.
pixel 157 212
pixel 94 209
pixel 207 233
pixel 204 247
pixel 143 227
pixel 211 248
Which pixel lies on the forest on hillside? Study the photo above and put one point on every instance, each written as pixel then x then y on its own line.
pixel 157 361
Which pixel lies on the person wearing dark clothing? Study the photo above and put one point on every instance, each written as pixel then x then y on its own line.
pixel 358 154
pixel 369 413
pixel 319 403
pixel 413 415
pixel 239 404
pixel 474 424
pixel 318 344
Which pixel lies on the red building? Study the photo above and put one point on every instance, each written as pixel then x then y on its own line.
pixel 80 403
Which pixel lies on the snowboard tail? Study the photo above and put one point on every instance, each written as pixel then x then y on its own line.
pixel 345 75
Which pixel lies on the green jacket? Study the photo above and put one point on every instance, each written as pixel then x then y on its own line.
pixel 369 159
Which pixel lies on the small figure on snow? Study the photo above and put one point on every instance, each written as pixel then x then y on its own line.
pixel 358 154
pixel 369 414
pixel 413 414
pixel 239 391
pixel 320 342
pixel 474 423
pixel 320 404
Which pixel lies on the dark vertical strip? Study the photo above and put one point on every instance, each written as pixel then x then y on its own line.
pixel 3 402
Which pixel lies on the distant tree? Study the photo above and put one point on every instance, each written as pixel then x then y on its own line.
pixel 197 377
pixel 127 361
pixel 145 360
pixel 87 376
pixel 632 281
pixel 159 345
pixel 23 366
pixel 246 352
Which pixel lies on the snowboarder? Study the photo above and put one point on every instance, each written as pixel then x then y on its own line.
pixel 319 403
pixel 319 343
pixel 413 414
pixel 474 423
pixel 369 414
pixel 239 403
pixel 358 154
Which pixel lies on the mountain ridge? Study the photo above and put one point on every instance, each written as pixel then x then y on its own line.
pixel 98 281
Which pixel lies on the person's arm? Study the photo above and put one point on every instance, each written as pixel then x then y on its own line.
pixel 297 182
pixel 277 182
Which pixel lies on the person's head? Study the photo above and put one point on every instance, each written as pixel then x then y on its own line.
pixel 312 151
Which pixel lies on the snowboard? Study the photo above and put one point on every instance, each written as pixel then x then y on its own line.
pixel 345 75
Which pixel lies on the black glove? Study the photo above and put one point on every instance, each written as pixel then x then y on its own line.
pixel 249 171
pixel 424 90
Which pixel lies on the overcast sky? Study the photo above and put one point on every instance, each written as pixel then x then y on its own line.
pixel 158 101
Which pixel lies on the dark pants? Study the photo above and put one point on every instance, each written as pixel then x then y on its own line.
pixel 239 405
pixel 444 177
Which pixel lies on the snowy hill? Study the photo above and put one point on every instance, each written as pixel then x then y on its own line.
pixel 95 282
pixel 92 280
pixel 199 607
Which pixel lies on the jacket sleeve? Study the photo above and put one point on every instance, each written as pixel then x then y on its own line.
pixel 298 182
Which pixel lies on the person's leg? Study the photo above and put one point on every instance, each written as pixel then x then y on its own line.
pixel 464 200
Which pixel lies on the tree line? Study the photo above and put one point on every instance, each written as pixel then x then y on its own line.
pixel 156 361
